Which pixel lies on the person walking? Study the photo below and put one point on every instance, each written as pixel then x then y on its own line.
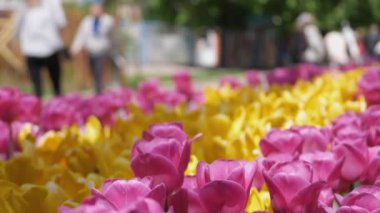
pixel 372 40
pixel 308 42
pixel 38 27
pixel 95 35
pixel 336 48
pixel 351 41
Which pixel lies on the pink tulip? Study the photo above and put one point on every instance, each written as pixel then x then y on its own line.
pixel 57 114
pixel 282 76
pixel 148 93
pixel 224 196
pixel 356 156
pixel 74 98
pixel 220 174
pixel 348 67
pixel 258 178
pixel 190 182
pixel 29 109
pixel 110 105
pixel 373 172
pixel 374 136
pixel 307 72
pixel 241 172
pixel 163 153
pixel 369 86
pixel 81 105
pixel 313 139
pixel 15 106
pixel 349 134
pixel 371 117
pixel 122 96
pixel 276 158
pixel 362 199
pixel 172 99
pixel 280 142
pixel 198 98
pixel 326 167
pixel 123 196
pixel 232 81
pixel 326 198
pixel 348 119
pixel 253 78
pixel 105 108
pixel 183 84
pixel 292 188
pixel 9 104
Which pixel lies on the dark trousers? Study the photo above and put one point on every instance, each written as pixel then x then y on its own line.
pixel 97 65
pixel 52 63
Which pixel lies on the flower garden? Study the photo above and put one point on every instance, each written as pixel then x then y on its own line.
pixel 301 139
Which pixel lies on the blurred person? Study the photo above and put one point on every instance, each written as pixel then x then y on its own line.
pixel 131 27
pixel 372 39
pixel 207 50
pixel 351 42
pixel 95 36
pixel 308 42
pixel 360 35
pixel 38 27
pixel 336 48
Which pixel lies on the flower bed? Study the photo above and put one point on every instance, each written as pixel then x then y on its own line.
pixel 298 145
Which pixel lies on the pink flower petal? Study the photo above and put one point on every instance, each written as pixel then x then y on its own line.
pixel 223 196
pixel 159 168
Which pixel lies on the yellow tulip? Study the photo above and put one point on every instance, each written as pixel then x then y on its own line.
pixel 259 201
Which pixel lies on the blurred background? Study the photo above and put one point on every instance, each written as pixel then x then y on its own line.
pixel 207 37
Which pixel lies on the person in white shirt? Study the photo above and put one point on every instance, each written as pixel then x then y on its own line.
pixel 313 50
pixel 351 41
pixel 38 26
pixel 336 48
pixel 95 36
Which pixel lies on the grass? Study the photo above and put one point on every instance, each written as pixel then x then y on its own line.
pixel 21 81
pixel 198 76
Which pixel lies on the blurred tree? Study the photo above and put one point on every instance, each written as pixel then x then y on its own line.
pixel 235 13
pixel 200 13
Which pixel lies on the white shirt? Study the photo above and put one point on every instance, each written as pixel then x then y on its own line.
pixel 336 48
pixel 94 43
pixel 352 44
pixel 315 52
pixel 38 28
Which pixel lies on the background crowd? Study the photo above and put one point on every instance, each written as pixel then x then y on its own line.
pixel 134 37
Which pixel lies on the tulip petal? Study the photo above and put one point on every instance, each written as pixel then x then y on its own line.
pixel 223 196
pixel 144 205
pixel 203 174
pixel 300 168
pixel 159 168
pixel 158 194
pixel 365 200
pixel 352 209
pixel 185 157
pixel 353 159
pixel 186 201
pixel 278 198
pixel 306 198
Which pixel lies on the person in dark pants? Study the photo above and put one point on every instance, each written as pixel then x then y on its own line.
pixel 52 64
pixel 39 24
pixel 97 63
pixel 95 35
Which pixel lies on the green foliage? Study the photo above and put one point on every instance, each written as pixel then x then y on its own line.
pixel 199 13
pixel 237 13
